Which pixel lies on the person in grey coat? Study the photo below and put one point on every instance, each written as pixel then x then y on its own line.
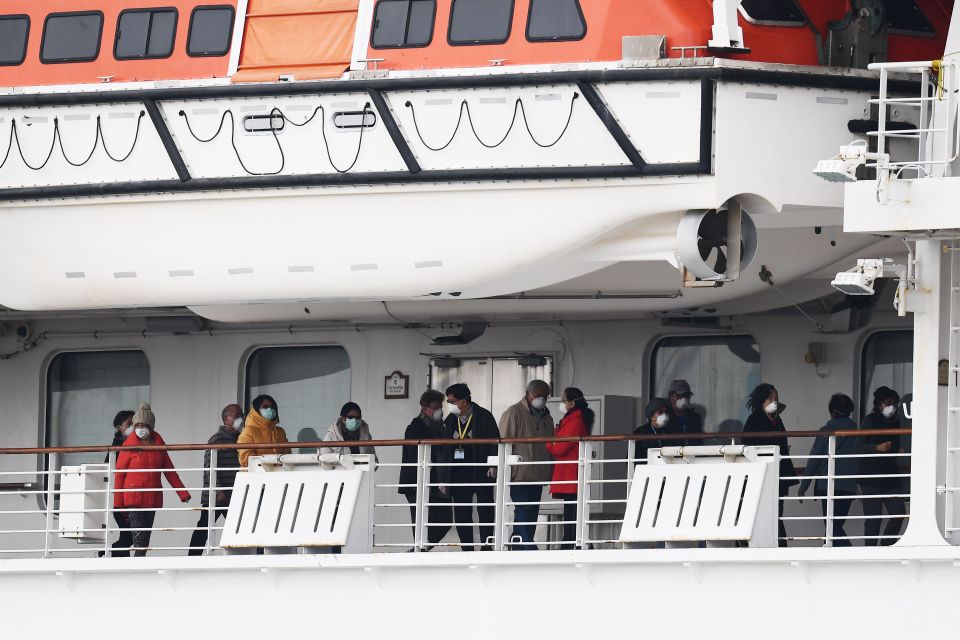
pixel 349 427
pixel 844 488
pixel 228 463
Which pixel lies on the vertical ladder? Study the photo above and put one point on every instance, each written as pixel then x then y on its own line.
pixel 952 512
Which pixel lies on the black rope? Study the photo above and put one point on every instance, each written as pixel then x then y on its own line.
pixel 53 144
pixel 233 141
pixel 136 137
pixel 518 108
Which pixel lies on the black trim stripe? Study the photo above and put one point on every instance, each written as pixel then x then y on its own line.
pixel 386 116
pixel 168 142
pixel 610 122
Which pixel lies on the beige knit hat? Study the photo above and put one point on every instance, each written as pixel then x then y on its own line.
pixel 145 415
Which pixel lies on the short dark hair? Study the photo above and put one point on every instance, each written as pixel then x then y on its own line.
pixel 347 408
pixel 759 396
pixel 460 391
pixel 881 395
pixel 430 396
pixel 259 400
pixel 840 404
pixel 226 410
pixel 121 417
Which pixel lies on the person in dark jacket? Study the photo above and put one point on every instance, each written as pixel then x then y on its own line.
pixel 765 409
pixel 122 428
pixel 844 488
pixel 470 421
pixel 683 418
pixel 577 422
pixel 886 403
pixel 428 425
pixel 228 462
pixel 657 413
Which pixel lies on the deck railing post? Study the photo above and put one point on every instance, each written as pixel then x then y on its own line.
pixel 108 503
pixel 831 472
pixel 212 498
pixel 583 464
pixel 51 497
pixel 419 526
pixel 500 497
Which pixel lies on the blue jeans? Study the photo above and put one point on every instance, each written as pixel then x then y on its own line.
pixel 525 516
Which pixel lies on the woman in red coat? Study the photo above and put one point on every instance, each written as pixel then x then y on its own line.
pixel 138 479
pixel 577 422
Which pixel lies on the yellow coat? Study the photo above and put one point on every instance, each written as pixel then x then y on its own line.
pixel 258 430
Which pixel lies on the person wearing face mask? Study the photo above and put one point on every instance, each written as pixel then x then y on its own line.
pixel 529 418
pixel 469 421
pixel 844 489
pixel 228 463
pixel 657 413
pixel 349 427
pixel 262 426
pixel 122 428
pixel 428 425
pixel 137 481
pixel 765 409
pixel 683 418
pixel 577 422
pixel 886 403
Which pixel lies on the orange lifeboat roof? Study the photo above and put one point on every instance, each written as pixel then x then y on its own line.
pixel 310 39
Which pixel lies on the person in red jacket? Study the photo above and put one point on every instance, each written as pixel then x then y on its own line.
pixel 138 479
pixel 577 422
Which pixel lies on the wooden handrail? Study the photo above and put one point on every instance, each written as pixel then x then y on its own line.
pixel 666 437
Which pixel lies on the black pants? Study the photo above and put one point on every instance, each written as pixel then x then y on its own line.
pixel 141 522
pixel 569 517
pixel 121 548
pixel 841 507
pixel 873 509
pixel 441 514
pixel 463 500
pixel 199 538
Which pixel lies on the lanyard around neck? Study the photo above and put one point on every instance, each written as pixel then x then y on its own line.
pixel 463 429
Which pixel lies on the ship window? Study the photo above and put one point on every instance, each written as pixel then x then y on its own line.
pixel 85 390
pixel 211 28
pixel 886 360
pixel 13 39
pixel 721 370
pixel 403 23
pixel 480 21
pixel 551 20
pixel 776 12
pixel 310 385
pixel 906 17
pixel 71 37
pixel 145 33
pixel 495 381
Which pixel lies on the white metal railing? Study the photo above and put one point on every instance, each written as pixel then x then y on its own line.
pixel 936 136
pixel 32 516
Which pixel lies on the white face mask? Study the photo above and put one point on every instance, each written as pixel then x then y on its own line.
pixel 238 424
pixel 452 408
pixel 772 408
pixel 683 403
pixel 127 432
pixel 562 409
pixel 539 403
pixel 143 433
pixel 889 412
pixel 662 420
pixel 437 415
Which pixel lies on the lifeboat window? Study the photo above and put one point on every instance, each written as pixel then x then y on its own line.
pixel 145 33
pixel 552 20
pixel 403 23
pixel 480 21
pixel 773 12
pixel 906 17
pixel 71 37
pixel 13 39
pixel 211 28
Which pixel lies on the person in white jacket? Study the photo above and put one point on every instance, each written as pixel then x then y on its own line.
pixel 349 427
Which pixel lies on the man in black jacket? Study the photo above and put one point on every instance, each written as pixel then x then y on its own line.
pixel 428 425
pixel 227 465
pixel 469 421
pixel 684 418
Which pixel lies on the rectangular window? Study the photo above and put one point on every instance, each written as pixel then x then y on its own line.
pixel 403 23
pixel 14 31
pixel 71 37
pixel 309 384
pixel 904 16
pixel 211 28
pixel 495 383
pixel 721 370
pixel 887 360
pixel 480 21
pixel 85 390
pixel 145 33
pixel 774 12
pixel 553 20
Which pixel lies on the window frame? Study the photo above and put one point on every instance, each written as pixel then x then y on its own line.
pixel 480 43
pixel 233 20
pixel 865 398
pixel 26 40
pixel 150 10
pixel 61 14
pixel 775 23
pixel 583 20
pixel 247 359
pixel 433 28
